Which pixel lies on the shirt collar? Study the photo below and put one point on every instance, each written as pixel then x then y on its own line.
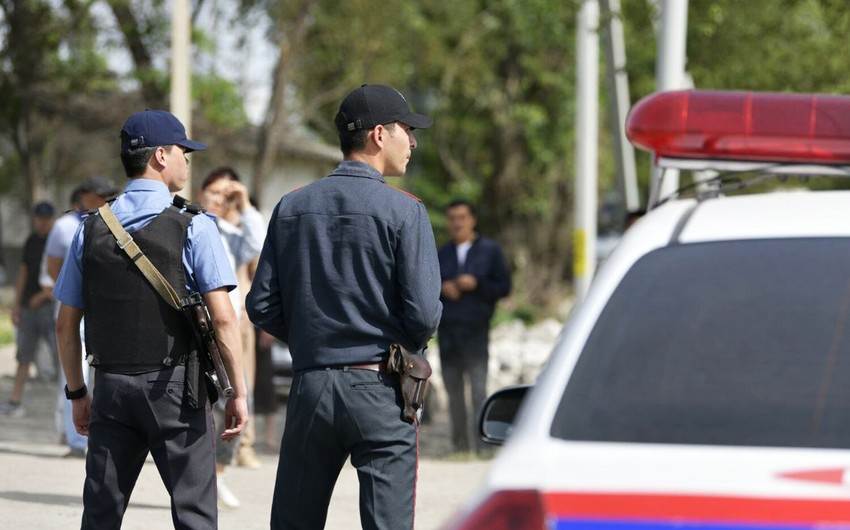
pixel 355 168
pixel 144 184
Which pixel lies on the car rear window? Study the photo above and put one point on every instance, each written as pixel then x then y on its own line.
pixel 732 343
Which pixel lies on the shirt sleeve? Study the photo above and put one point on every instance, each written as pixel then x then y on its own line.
pixel 205 259
pixel 69 285
pixel 59 238
pixel 496 283
pixel 253 234
pixel 264 304
pixel 419 278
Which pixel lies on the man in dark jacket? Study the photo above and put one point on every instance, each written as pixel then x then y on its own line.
pixel 474 276
pixel 349 267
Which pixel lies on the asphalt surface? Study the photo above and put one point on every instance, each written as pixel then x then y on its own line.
pixel 41 489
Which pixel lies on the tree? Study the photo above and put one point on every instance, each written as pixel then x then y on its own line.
pixel 144 37
pixel 497 77
pixel 48 58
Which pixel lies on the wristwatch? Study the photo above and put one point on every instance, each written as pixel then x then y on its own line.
pixel 76 394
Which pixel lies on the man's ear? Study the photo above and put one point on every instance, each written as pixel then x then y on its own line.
pixel 158 157
pixel 378 134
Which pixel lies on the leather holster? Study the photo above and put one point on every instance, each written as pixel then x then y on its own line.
pixel 413 372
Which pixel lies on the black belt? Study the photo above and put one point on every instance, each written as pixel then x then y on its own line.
pixel 374 367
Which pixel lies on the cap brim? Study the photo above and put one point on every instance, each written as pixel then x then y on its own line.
pixel 191 145
pixel 417 121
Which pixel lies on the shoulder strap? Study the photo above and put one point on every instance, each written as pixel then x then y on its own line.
pixel 128 245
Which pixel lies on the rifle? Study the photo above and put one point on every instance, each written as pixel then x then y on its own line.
pixel 195 309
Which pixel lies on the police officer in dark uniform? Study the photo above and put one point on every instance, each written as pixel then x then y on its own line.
pixel 349 266
pixel 138 344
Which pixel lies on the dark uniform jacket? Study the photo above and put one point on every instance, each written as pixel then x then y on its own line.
pixel 349 266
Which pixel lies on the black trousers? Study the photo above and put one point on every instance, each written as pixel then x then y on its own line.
pixel 136 414
pixel 333 414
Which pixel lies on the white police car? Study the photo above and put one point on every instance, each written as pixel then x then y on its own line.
pixel 704 382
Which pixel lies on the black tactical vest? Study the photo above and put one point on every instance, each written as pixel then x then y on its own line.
pixel 129 327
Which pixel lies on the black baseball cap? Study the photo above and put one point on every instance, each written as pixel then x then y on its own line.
pixel 152 128
pixel 371 105
pixel 43 209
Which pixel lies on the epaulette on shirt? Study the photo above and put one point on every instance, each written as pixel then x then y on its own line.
pixel 414 197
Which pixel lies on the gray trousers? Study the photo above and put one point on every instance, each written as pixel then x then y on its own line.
pixel 333 414
pixel 464 355
pixel 136 414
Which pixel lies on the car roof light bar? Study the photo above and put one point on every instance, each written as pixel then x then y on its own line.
pixel 808 129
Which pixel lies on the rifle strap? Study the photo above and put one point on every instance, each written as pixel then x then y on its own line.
pixel 128 245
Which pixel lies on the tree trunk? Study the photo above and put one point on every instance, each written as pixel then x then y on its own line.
pixel 276 124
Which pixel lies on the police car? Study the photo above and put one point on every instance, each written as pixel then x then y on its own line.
pixel 704 382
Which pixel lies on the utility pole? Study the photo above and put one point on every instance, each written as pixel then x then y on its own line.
pixel 587 138
pixel 181 72
pixel 618 83
pixel 670 73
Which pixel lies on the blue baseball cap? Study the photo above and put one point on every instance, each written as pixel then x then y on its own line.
pixel 152 128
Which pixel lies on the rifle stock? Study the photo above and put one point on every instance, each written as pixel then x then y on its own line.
pixel 201 323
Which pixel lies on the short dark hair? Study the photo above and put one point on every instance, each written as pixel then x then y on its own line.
pixel 352 141
pixel 222 172
pixel 77 197
pixel 136 160
pixel 460 202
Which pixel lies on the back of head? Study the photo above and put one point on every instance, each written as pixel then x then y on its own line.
pixel 100 186
pixel 222 172
pixel 43 209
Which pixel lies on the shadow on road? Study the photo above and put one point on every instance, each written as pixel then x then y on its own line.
pixel 62 500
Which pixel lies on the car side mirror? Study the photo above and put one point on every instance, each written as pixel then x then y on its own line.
pixel 498 413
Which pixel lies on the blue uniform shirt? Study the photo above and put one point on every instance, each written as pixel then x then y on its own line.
pixel 204 259
pixel 349 266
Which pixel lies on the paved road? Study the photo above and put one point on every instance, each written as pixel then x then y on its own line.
pixel 39 489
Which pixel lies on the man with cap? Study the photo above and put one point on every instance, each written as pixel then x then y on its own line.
pixel 349 266
pixel 32 312
pixel 140 345
pixel 90 194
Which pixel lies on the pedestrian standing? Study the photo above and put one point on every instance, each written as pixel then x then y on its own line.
pixel 475 276
pixel 145 397
pixel 89 195
pixel 32 312
pixel 242 231
pixel 349 267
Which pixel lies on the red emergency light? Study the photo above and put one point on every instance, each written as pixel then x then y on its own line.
pixel 746 126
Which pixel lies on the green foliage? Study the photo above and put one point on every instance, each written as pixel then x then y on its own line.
pixel 497 76
pixel 48 60
pixel 10 172
pixel 770 45
pixel 7 330
pixel 524 313
pixel 220 101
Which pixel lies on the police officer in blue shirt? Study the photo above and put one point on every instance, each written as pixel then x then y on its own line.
pixel 138 344
pixel 349 266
